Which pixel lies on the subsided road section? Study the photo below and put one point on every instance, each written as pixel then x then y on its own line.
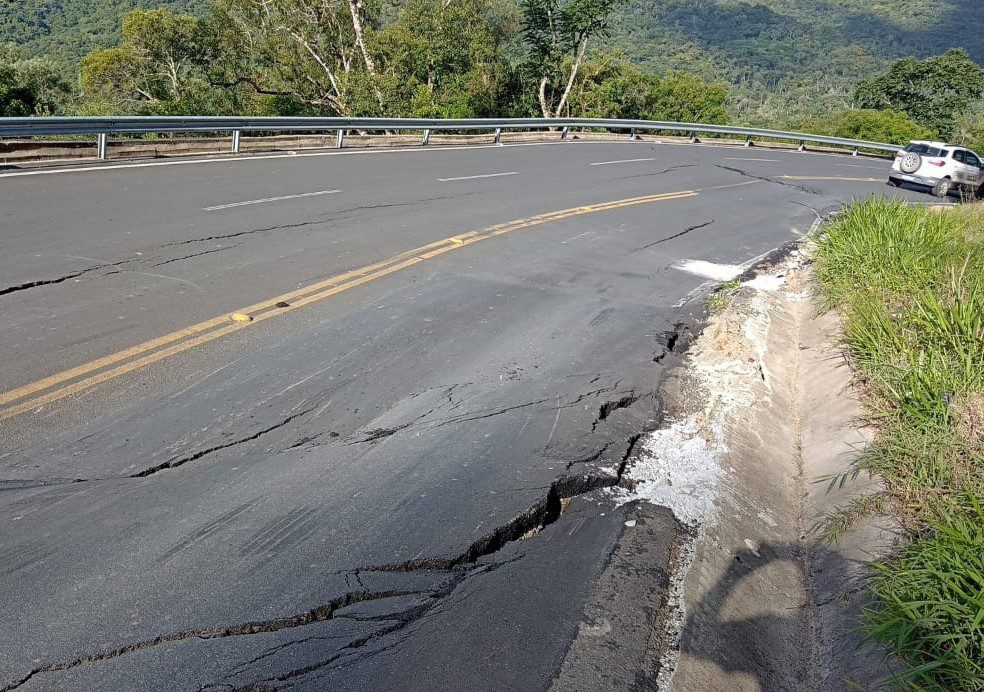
pixel 398 485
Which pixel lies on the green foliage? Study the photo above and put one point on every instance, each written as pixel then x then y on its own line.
pixel 870 125
pixel 29 87
pixel 791 59
pixel 614 88
pixel 930 605
pixel 447 60
pixel 910 283
pixel 65 30
pixel 162 67
pixel 557 33
pixel 969 128
pixel 935 92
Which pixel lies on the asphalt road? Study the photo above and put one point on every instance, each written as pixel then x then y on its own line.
pixel 392 475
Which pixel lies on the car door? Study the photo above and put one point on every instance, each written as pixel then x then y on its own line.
pixel 974 172
pixel 960 172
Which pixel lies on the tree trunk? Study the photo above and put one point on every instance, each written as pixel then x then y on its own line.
pixel 544 106
pixel 570 81
pixel 355 8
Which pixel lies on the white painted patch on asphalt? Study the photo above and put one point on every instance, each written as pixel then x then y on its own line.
pixel 250 202
pixel 609 163
pixel 709 270
pixel 476 177
pixel 678 469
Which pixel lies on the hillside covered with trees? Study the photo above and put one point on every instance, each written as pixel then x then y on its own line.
pixel 835 66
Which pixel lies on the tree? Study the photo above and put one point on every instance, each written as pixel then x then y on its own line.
pixel 30 87
pixel 934 92
pixel 870 125
pixel 612 87
pixel 557 33
pixel 162 66
pixel 311 52
pixel 447 59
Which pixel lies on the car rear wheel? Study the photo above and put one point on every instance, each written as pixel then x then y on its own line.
pixel 942 188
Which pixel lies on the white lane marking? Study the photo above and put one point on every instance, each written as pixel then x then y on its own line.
pixel 745 158
pixel 709 270
pixel 475 177
pixel 292 155
pixel 270 199
pixel 608 163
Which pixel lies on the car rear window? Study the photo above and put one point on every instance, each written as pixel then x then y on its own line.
pixel 926 150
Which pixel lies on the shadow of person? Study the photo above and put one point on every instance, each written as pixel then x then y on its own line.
pixel 765 626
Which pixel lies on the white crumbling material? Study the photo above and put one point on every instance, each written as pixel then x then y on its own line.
pixel 767 282
pixel 678 469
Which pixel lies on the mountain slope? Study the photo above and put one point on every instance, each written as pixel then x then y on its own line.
pixel 785 59
pixel 806 52
pixel 65 30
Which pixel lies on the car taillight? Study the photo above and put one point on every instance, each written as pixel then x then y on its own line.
pixel 939 164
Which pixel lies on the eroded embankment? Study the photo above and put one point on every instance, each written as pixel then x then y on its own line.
pixel 764 410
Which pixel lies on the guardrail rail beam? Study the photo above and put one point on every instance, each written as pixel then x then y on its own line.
pixel 101 127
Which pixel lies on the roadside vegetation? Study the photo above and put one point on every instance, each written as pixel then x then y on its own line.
pixel 909 282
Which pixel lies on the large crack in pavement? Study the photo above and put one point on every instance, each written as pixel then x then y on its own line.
pixel 767 179
pixel 608 472
pixel 318 614
pixel 181 461
pixel 685 231
pixel 48 282
pixel 327 218
pixel 541 514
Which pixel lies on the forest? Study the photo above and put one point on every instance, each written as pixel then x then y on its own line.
pixel 810 64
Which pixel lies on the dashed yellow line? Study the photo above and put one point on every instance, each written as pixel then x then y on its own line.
pixel 35 395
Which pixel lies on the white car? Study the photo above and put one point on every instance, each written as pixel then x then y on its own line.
pixel 941 167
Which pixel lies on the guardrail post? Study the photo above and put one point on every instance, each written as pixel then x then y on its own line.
pixel 426 139
pixel 340 139
pixel 632 134
pixel 693 138
pixel 498 135
pixel 563 133
pixel 801 147
pixel 235 141
pixel 101 145
pixel 748 142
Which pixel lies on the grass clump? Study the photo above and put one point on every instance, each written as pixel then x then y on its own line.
pixel 720 299
pixel 910 284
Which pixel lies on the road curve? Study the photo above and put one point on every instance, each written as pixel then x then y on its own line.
pixel 345 420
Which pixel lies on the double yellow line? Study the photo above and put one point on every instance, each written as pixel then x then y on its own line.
pixel 37 394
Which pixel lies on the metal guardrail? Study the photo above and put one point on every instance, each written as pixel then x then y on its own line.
pixel 102 127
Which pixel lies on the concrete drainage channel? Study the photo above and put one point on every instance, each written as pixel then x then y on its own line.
pixel 758 412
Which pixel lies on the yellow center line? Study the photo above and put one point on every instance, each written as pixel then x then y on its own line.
pixel 87 375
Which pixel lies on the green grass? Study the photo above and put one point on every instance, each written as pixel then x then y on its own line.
pixel 929 604
pixel 909 282
pixel 719 300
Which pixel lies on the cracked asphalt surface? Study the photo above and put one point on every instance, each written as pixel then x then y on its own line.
pixel 400 486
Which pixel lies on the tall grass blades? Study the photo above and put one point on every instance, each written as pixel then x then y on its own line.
pixel 909 282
